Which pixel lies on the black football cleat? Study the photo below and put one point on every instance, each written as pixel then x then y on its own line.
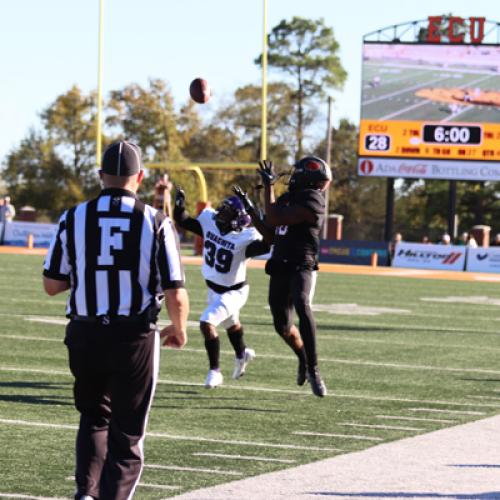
pixel 301 374
pixel 317 385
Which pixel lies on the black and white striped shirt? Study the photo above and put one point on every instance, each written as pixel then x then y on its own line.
pixel 118 253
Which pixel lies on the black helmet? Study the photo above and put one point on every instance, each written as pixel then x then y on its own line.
pixel 310 172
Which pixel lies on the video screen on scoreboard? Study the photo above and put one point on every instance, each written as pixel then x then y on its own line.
pixel 430 101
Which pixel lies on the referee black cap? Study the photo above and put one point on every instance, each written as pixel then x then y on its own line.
pixel 122 159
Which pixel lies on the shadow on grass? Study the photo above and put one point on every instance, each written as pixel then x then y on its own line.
pixel 36 385
pixel 36 400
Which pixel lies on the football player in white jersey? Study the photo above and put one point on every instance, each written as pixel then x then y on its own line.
pixel 228 243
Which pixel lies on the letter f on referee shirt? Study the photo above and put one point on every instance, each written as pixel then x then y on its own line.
pixel 110 238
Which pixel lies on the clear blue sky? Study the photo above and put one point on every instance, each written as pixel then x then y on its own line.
pixel 47 46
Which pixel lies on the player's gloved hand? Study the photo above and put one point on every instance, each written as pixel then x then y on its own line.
pixel 243 196
pixel 180 198
pixel 266 171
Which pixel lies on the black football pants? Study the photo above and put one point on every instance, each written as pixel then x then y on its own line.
pixel 115 369
pixel 293 290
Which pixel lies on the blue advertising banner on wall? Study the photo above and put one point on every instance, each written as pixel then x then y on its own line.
pixel 353 252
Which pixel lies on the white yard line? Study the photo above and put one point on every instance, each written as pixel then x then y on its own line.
pixel 194 469
pixel 404 110
pixel 159 486
pixel 273 390
pixel 378 426
pixel 398 366
pixel 342 436
pixel 416 419
pixel 159 435
pixel 455 412
pixel 404 90
pixel 244 457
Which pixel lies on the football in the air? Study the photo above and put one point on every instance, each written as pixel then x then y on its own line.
pixel 200 90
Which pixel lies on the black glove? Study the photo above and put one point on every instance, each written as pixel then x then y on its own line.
pixel 180 198
pixel 247 202
pixel 266 171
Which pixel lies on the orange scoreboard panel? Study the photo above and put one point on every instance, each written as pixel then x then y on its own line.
pixel 437 140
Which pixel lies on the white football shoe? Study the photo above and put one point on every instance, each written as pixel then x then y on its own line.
pixel 240 364
pixel 214 378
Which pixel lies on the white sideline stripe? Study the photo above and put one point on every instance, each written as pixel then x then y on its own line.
pixel 417 419
pixel 378 426
pixel 244 457
pixel 176 437
pixel 343 436
pixel 458 412
pixel 273 390
pixel 195 469
pixel 24 337
pixel 31 497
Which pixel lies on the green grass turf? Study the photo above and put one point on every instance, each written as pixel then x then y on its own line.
pixel 427 355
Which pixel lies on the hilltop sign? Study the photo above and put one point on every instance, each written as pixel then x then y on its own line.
pixel 455 31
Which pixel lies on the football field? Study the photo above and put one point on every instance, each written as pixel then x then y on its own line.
pixel 391 92
pixel 400 357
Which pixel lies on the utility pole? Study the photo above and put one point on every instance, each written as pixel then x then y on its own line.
pixel 328 157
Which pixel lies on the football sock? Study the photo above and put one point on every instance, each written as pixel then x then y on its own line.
pixel 236 339
pixel 213 348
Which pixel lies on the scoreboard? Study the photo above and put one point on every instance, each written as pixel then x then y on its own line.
pixel 430 111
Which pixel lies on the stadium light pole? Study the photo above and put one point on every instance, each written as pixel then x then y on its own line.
pixel 98 148
pixel 263 122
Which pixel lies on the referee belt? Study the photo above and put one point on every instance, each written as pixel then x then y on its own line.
pixel 112 320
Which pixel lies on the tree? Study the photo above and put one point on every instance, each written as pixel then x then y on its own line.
pixel 305 50
pixel 35 175
pixel 147 116
pixel 70 126
pixel 243 117
pixel 360 200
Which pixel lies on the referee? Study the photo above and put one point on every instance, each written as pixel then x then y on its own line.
pixel 118 258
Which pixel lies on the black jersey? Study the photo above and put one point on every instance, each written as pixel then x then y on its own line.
pixel 300 242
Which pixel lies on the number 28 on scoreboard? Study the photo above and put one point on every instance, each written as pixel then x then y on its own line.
pixel 405 139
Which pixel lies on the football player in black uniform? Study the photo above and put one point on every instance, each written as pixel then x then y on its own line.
pixel 297 217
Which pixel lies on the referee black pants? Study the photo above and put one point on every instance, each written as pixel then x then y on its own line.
pixel 115 369
pixel 291 290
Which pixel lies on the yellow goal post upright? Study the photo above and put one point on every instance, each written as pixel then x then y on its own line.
pixel 199 176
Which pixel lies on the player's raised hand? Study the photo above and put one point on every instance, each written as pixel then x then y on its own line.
pixel 266 172
pixel 243 196
pixel 180 198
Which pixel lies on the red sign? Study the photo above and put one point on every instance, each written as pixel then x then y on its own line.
pixel 366 167
pixel 454 33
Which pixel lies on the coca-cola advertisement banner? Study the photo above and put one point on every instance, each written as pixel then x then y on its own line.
pixel 423 256
pixel 429 169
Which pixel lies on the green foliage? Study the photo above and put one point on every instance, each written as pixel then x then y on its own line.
pixel 307 51
pixel 147 116
pixel 36 176
pixel 243 116
pixel 360 200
